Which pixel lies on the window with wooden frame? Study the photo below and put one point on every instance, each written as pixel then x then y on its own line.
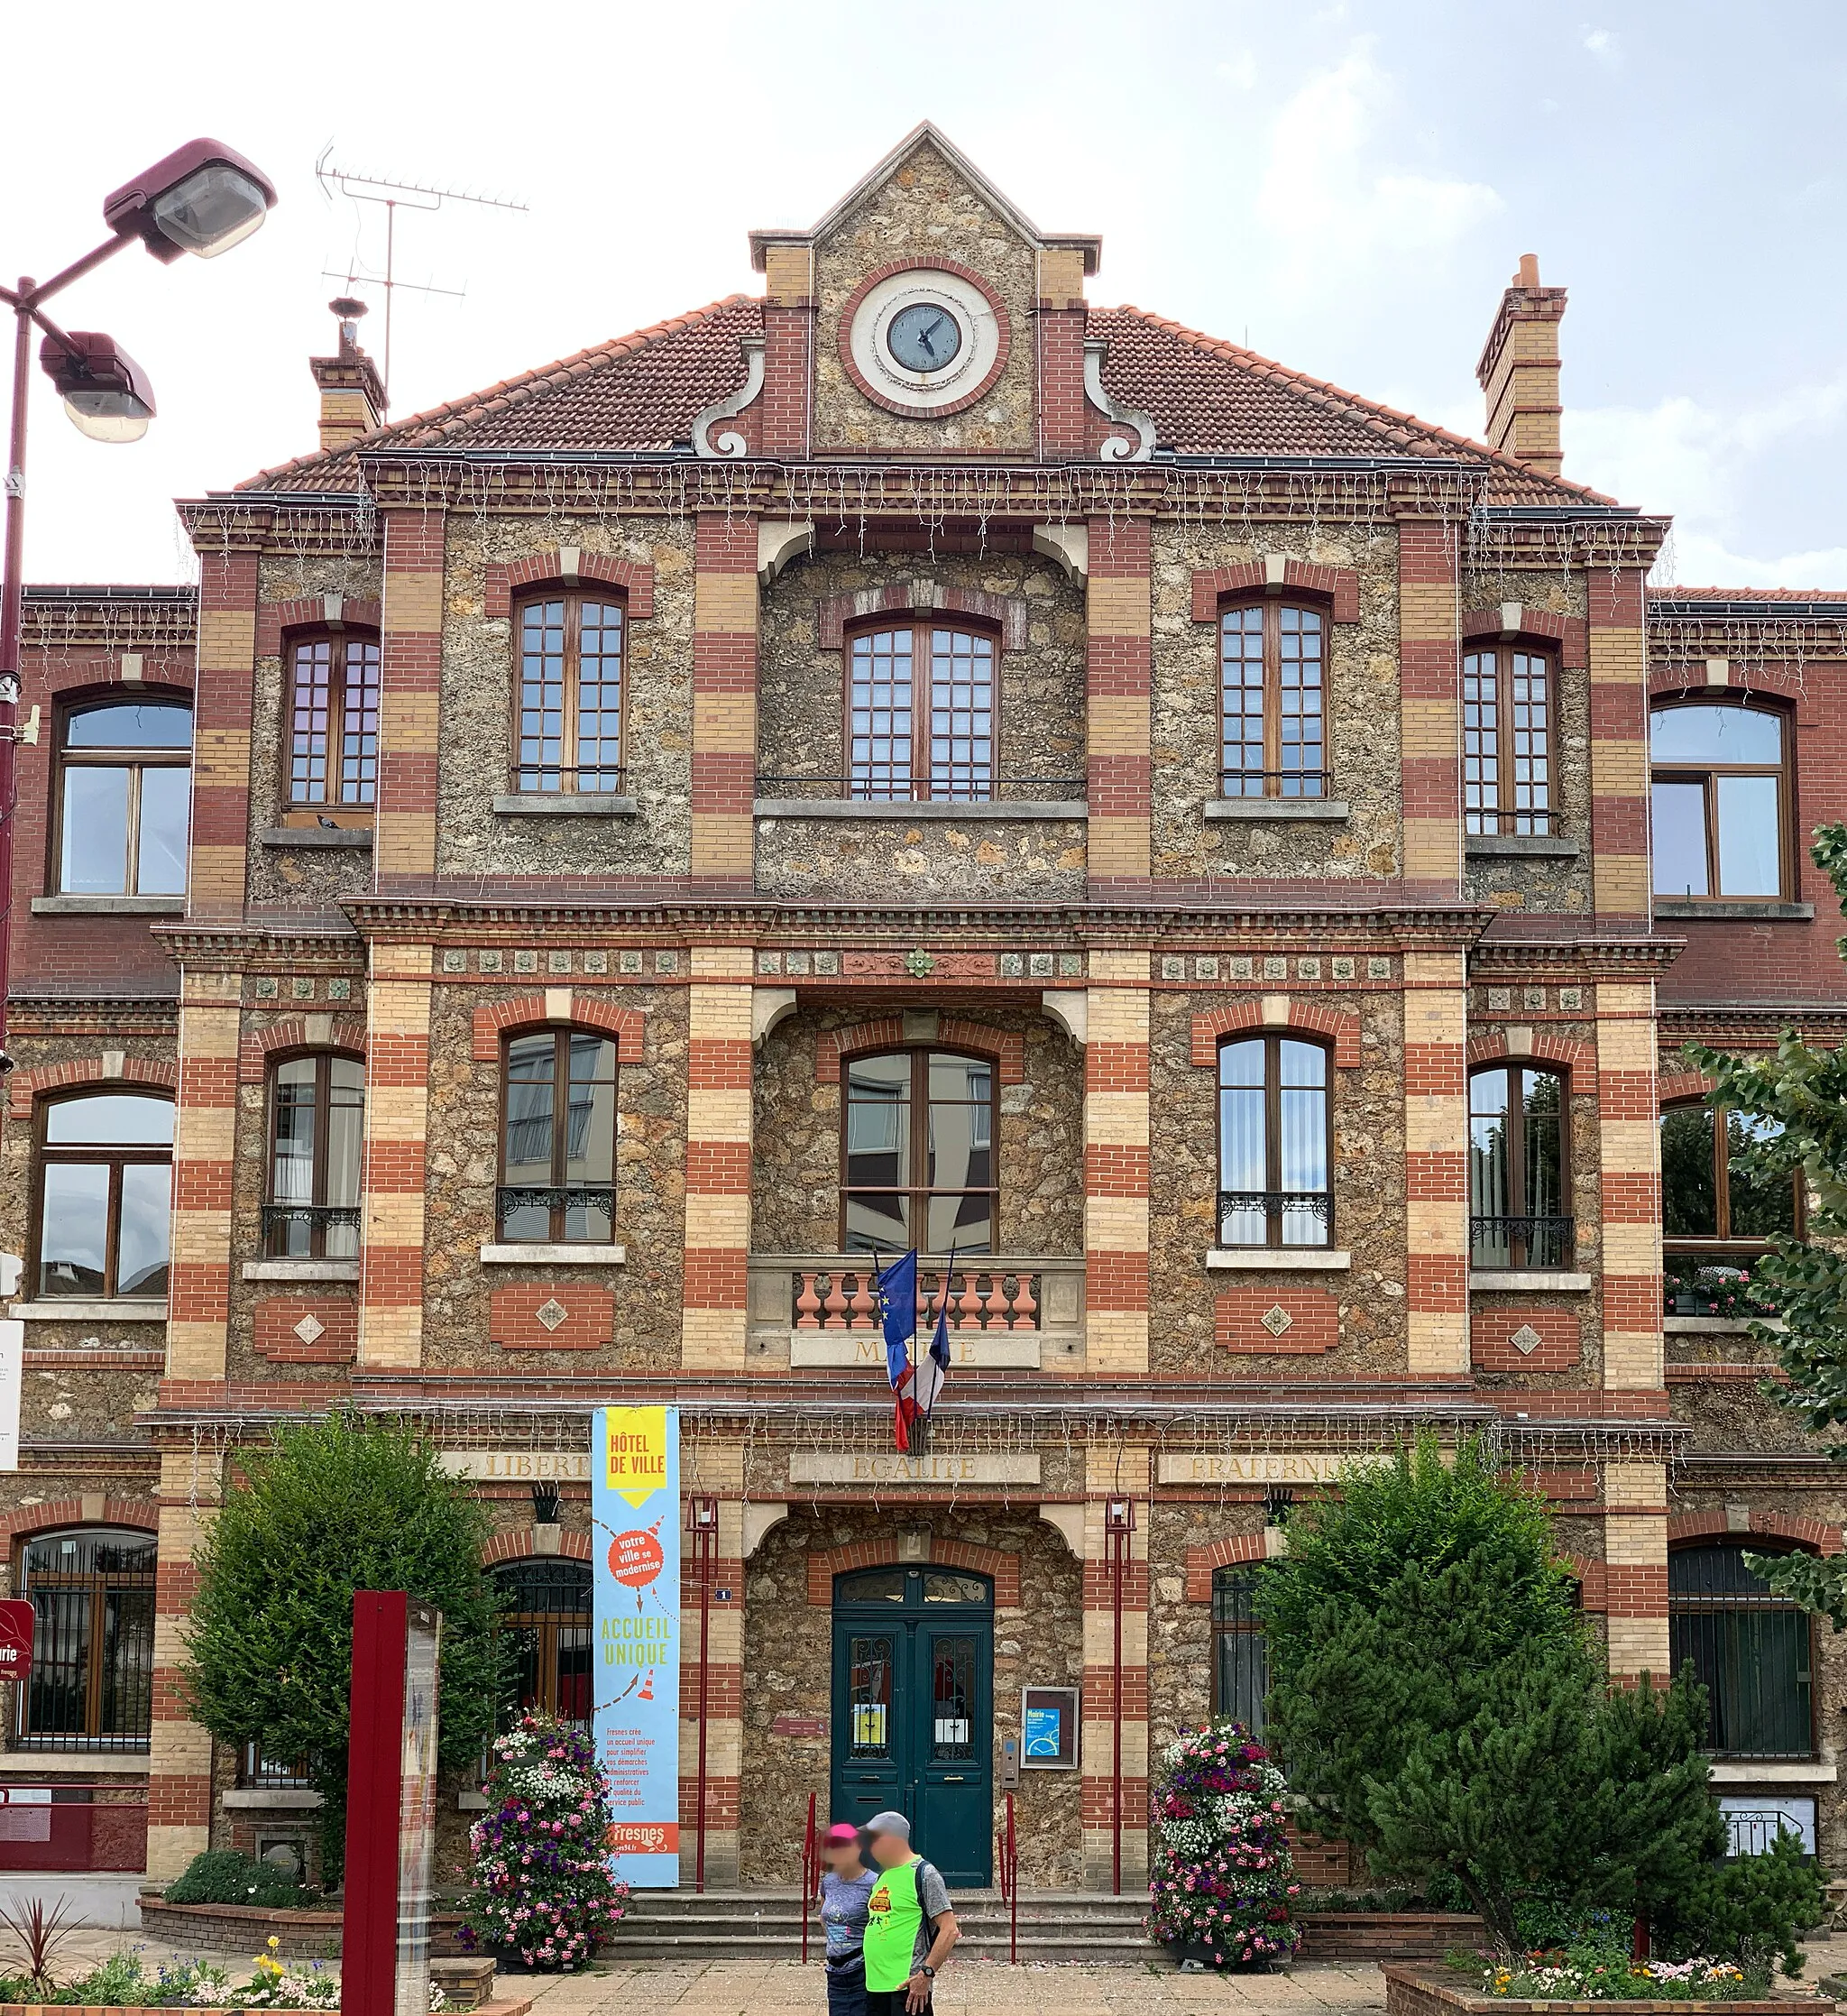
pixel 125 792
pixel 91 1684
pixel 547 1620
pixel 1275 1143
pixel 316 1146
pixel 922 711
pixel 919 1130
pixel 1752 1651
pixel 1721 800
pixel 1710 1194
pixel 333 722
pixel 568 692
pixel 106 1179
pixel 559 1138
pixel 1273 701
pixel 1507 710
pixel 1519 1168
pixel 1240 1652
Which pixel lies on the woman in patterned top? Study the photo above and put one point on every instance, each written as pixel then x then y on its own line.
pixel 845 1886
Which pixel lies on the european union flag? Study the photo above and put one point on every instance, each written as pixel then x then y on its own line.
pixel 898 1307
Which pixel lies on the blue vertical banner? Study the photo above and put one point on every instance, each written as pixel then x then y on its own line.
pixel 635 1522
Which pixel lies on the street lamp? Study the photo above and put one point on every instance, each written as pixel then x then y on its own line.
pixel 203 199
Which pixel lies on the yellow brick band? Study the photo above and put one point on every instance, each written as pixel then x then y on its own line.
pixel 413 603
pixel 725 602
pixel 1119 606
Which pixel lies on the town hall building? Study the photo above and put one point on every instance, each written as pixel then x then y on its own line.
pixel 912 757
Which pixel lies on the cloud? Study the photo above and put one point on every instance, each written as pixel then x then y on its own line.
pixel 1328 202
pixel 1240 71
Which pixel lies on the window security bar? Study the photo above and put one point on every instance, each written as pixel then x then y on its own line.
pixel 567 777
pixel 1256 784
pixel 1549 1241
pixel 277 1218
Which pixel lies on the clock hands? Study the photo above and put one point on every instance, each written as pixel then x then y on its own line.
pixel 924 337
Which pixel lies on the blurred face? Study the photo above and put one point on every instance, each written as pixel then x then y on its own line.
pixel 843 1857
pixel 887 1850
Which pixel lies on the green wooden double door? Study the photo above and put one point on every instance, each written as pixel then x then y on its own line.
pixel 913 1710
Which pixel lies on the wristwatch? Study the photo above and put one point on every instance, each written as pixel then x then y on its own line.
pixel 929 1973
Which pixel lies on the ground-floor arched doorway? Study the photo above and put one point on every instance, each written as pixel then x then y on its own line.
pixel 914 1709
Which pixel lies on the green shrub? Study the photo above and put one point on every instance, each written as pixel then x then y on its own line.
pixel 1751 1910
pixel 226 1877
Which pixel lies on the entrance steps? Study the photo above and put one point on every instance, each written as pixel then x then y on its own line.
pixel 1060 1926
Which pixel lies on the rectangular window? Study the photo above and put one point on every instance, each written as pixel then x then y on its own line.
pixel 125 784
pixel 904 744
pixel 1720 800
pixel 92 1676
pixel 1506 741
pixel 1272 674
pixel 569 730
pixel 333 721
pixel 1241 1654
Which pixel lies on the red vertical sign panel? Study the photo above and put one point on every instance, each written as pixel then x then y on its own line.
pixel 390 1780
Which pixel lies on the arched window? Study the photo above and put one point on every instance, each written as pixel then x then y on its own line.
pixel 1720 799
pixel 1507 741
pixel 1272 682
pixel 559 1138
pixel 1752 1651
pixel 1240 1654
pixel 317 1139
pixel 1275 1151
pixel 124 789
pixel 547 1616
pixel 1519 1171
pixel 568 729
pixel 105 1171
pixel 333 720
pixel 923 708
pixel 91 1686
pixel 919 1130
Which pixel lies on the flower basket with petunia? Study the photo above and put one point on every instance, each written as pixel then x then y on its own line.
pixel 543 1890
pixel 1222 1890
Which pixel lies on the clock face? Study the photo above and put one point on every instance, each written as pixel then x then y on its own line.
pixel 924 337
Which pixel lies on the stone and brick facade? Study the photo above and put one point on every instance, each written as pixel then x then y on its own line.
pixel 1107 901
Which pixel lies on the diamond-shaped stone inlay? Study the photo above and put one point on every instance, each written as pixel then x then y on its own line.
pixel 1526 1340
pixel 1276 1318
pixel 309 1328
pixel 552 1313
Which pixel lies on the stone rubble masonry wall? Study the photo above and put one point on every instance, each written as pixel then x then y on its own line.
pixel 205 1147
pixel 1436 1160
pixel 1116 1471
pixel 1119 686
pixel 725 698
pixel 397 1122
pixel 227 593
pixel 924 212
pixel 719 1112
pixel 1361 698
pixel 1117 1164
pixel 485 557
pixel 1619 745
pixel 1429 671
pixel 179 1752
pixel 1040 691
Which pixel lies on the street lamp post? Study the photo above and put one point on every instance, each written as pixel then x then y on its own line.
pixel 201 199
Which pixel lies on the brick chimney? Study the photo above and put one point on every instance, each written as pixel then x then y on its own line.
pixel 352 394
pixel 1518 371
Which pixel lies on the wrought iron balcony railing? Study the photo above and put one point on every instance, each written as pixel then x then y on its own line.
pixel 592 1205
pixel 899 788
pixel 1276 1209
pixel 311 1232
pixel 1535 1240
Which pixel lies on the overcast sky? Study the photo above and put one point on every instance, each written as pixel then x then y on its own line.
pixel 1347 190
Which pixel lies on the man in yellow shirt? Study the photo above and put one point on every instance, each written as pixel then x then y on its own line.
pixel 910 1925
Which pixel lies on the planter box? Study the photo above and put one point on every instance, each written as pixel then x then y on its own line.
pixel 243 1930
pixel 1385 1934
pixel 1410 1991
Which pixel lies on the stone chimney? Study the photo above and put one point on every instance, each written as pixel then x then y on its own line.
pixel 1518 371
pixel 352 394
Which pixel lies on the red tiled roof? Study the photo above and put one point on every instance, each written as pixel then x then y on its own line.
pixel 1209 396
pixel 1680 594
pixel 642 393
pixel 637 392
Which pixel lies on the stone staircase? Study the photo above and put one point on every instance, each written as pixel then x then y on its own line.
pixel 767 1924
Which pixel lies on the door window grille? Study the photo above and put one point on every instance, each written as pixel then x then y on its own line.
pixel 91 1686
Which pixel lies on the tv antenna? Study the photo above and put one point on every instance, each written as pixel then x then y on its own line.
pixel 394 196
